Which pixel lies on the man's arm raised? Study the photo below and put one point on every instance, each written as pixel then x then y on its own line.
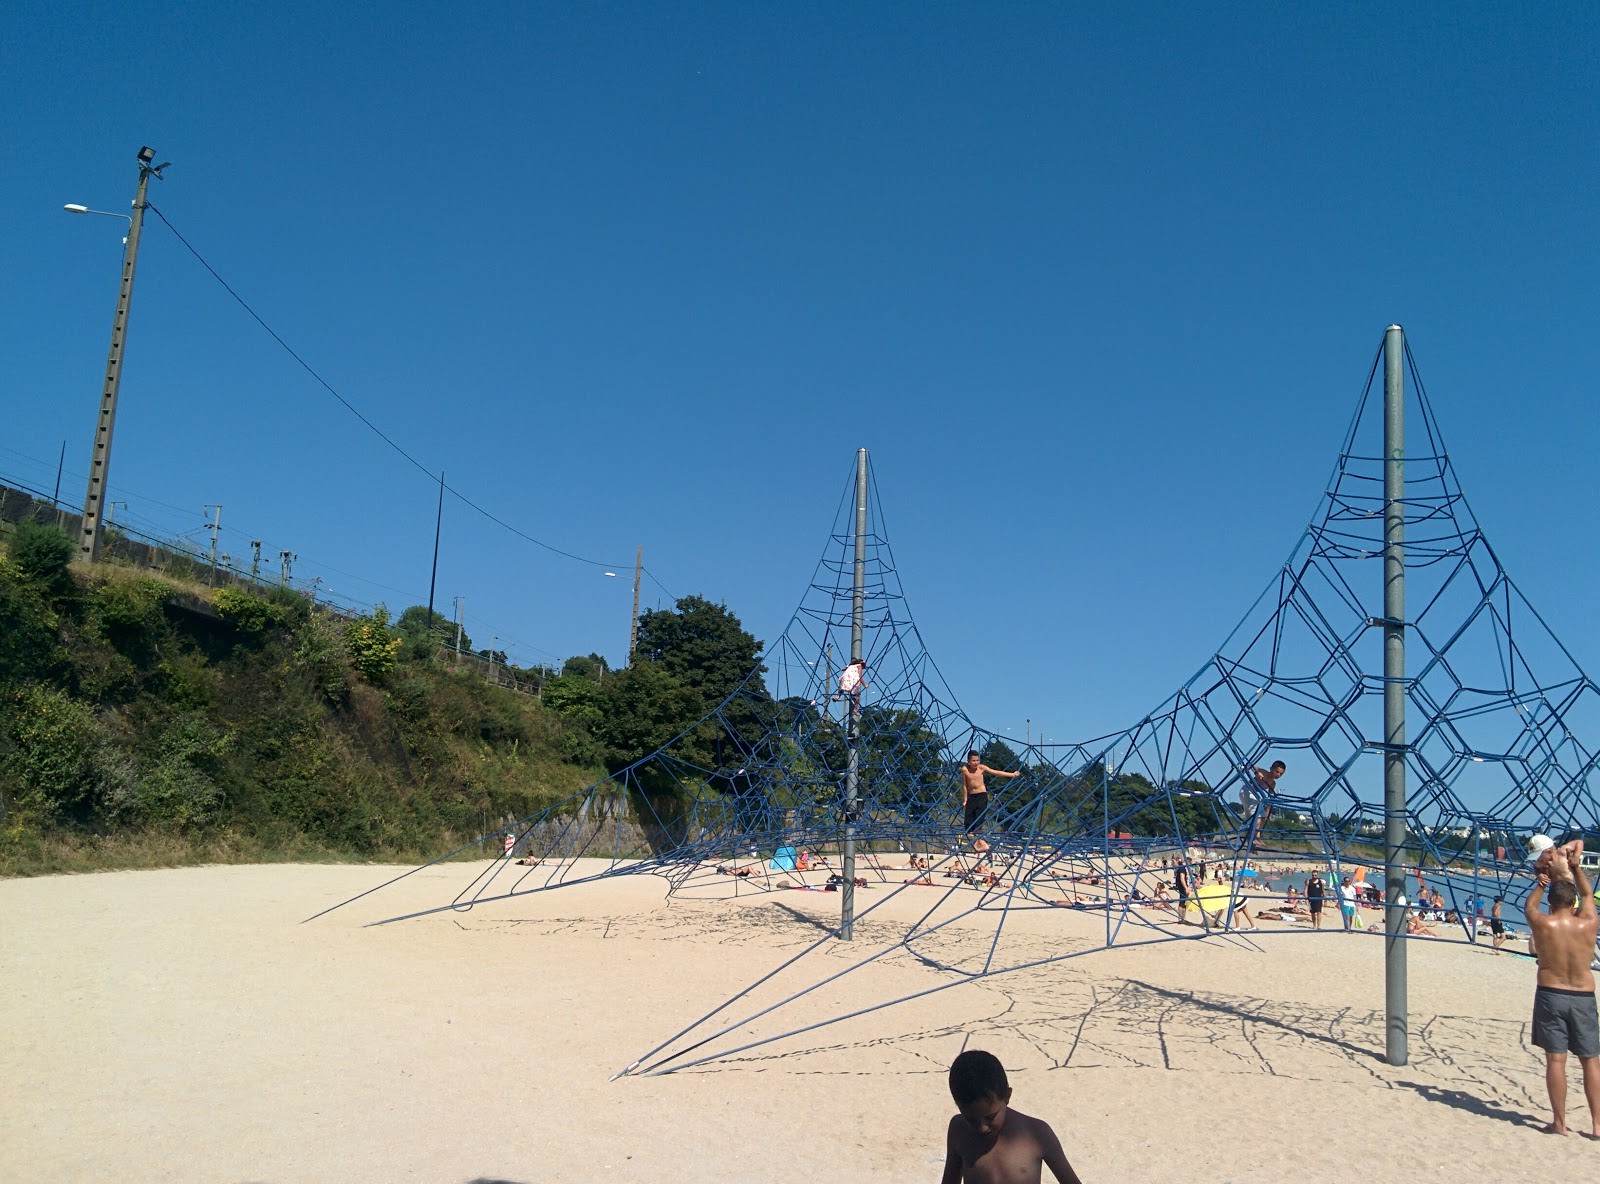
pixel 999 772
pixel 1586 905
pixel 1530 907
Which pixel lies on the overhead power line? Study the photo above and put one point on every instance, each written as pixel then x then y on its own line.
pixel 434 478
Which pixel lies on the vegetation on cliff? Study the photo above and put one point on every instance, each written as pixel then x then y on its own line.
pixel 149 721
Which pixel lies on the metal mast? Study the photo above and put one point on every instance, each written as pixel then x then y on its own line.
pixel 852 708
pixel 1394 692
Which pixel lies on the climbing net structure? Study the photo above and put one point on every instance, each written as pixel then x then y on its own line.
pixel 1503 733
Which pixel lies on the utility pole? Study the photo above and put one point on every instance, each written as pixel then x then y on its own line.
pixel 286 558
pixel 216 529
pixel 100 457
pixel 633 629
pixel 847 890
pixel 111 510
pixel 494 640
pixel 461 611
pixel 438 523
pixel 255 560
pixel 61 464
pixel 1394 692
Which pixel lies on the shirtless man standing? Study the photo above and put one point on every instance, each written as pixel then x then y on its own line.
pixel 1564 1013
pixel 975 794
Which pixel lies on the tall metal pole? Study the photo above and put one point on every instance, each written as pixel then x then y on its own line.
pixel 216 530
pixel 438 524
pixel 100 458
pixel 633 628
pixel 847 890
pixel 1394 691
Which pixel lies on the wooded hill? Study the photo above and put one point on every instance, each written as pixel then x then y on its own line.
pixel 149 721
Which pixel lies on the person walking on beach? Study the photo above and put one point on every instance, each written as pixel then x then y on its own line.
pixel 975 795
pixel 1496 925
pixel 1565 1018
pixel 1347 903
pixel 1314 900
pixel 1180 883
pixel 988 1142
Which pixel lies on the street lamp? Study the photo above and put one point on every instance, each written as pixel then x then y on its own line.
pixel 100 458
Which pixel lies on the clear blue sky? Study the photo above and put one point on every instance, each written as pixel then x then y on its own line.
pixel 1097 285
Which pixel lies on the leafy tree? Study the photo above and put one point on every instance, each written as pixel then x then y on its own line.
pixel 421 640
pixel 591 666
pixel 997 754
pixel 575 698
pixel 704 645
pixel 646 706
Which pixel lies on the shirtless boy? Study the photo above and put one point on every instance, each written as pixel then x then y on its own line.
pixel 988 1142
pixel 1564 1014
pixel 975 794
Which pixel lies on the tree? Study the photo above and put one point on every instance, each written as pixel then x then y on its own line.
pixel 704 645
pixel 422 633
pixel 646 707
pixel 591 666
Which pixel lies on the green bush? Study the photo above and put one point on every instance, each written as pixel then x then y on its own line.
pixel 47 769
pixel 42 553
pixel 250 615
pixel 374 648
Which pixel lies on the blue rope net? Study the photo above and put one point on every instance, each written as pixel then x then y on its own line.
pixel 1503 730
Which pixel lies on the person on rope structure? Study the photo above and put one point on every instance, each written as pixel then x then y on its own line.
pixel 988 1141
pixel 1256 798
pixel 1565 1018
pixel 852 681
pixel 975 795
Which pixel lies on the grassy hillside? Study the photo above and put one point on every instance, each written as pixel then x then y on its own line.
pixel 144 721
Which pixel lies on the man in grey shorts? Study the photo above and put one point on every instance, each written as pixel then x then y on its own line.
pixel 1564 1013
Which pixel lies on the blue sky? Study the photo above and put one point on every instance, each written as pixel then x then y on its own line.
pixel 1097 285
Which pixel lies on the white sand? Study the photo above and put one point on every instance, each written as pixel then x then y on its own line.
pixel 183 1025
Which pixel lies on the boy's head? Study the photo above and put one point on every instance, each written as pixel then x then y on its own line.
pixel 980 1089
pixel 1563 895
pixel 972 756
pixel 1278 768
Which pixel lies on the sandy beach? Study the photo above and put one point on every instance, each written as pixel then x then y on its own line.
pixel 185 1025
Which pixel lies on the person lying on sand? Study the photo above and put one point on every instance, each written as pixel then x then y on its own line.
pixel 530 862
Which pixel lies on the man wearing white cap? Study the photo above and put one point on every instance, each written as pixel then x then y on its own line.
pixel 1565 1018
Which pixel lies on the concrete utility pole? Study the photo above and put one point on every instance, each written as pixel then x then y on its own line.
pixel 100 458
pixel 633 629
pixel 286 558
pixel 1394 692
pixel 847 890
pixel 255 560
pixel 461 611
pixel 216 529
